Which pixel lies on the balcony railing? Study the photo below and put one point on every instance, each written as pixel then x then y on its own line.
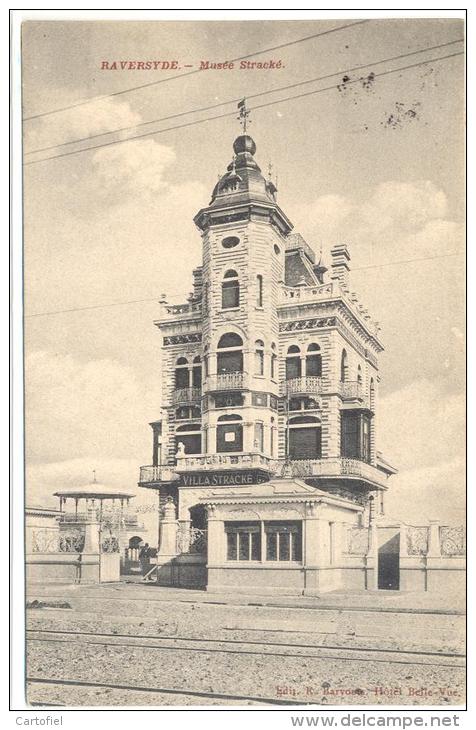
pixel 353 390
pixel 186 395
pixel 305 385
pixel 338 467
pixel 119 519
pixel 218 462
pixel 226 381
pixel 153 474
pixel 188 309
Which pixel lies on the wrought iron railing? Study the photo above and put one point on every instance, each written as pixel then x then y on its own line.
pixel 191 539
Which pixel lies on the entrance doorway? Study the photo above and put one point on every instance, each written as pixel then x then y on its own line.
pixel 389 563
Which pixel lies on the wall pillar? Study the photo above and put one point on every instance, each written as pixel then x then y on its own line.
pixel 434 549
pixel 216 537
pixel 168 531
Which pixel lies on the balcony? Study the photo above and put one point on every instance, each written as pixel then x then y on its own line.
pixel 343 468
pixel 192 308
pixel 156 474
pixel 224 462
pixel 305 385
pixel 226 381
pixel 186 395
pixel 354 391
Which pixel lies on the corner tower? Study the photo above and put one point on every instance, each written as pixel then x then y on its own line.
pixel 243 231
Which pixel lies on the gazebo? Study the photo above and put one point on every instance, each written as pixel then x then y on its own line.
pixel 85 527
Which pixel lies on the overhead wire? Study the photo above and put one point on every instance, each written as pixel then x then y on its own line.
pixel 156 299
pixel 228 114
pixel 248 97
pixel 195 71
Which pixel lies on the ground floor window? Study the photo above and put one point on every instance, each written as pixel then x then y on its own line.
pixel 243 540
pixel 283 541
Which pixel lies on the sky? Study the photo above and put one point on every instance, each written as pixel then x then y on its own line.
pixel 375 161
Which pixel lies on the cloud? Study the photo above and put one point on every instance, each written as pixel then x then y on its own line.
pixel 136 168
pixel 433 492
pixel 392 209
pixel 97 117
pixel 96 410
pixel 421 430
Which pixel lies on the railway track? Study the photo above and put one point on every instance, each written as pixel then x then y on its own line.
pixel 164 691
pixel 250 647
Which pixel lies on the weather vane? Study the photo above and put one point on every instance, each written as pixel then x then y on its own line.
pixel 243 115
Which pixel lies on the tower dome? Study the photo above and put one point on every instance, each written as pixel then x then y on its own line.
pixel 243 180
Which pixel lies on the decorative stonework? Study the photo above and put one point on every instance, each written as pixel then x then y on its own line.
pixel 453 540
pixel 182 339
pixel 45 541
pixel 358 541
pixel 417 540
pixel 307 324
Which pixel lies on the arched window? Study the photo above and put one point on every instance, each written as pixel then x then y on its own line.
pixel 304 438
pixel 230 354
pixel 229 434
pixel 293 362
pixel 359 375
pixel 343 367
pixel 182 375
pixel 313 360
pixel 259 357
pixel 274 360
pixel 190 436
pixel 197 372
pixel 259 291
pixel 230 290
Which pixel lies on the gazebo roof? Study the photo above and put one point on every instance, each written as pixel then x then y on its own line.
pixel 94 490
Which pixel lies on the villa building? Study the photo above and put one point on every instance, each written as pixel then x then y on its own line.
pixel 266 454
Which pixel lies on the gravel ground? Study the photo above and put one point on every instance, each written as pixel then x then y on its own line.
pixel 325 681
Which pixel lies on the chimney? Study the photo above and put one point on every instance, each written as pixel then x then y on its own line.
pixel 197 282
pixel 340 264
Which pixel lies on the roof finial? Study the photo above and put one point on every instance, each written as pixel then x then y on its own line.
pixel 243 115
pixel 94 476
pixel 270 170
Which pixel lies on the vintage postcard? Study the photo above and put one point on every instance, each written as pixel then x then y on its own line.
pixel 244 361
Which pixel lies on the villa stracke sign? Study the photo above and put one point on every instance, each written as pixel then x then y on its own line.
pixel 222 479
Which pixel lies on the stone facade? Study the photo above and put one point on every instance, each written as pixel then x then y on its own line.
pixel 270 373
